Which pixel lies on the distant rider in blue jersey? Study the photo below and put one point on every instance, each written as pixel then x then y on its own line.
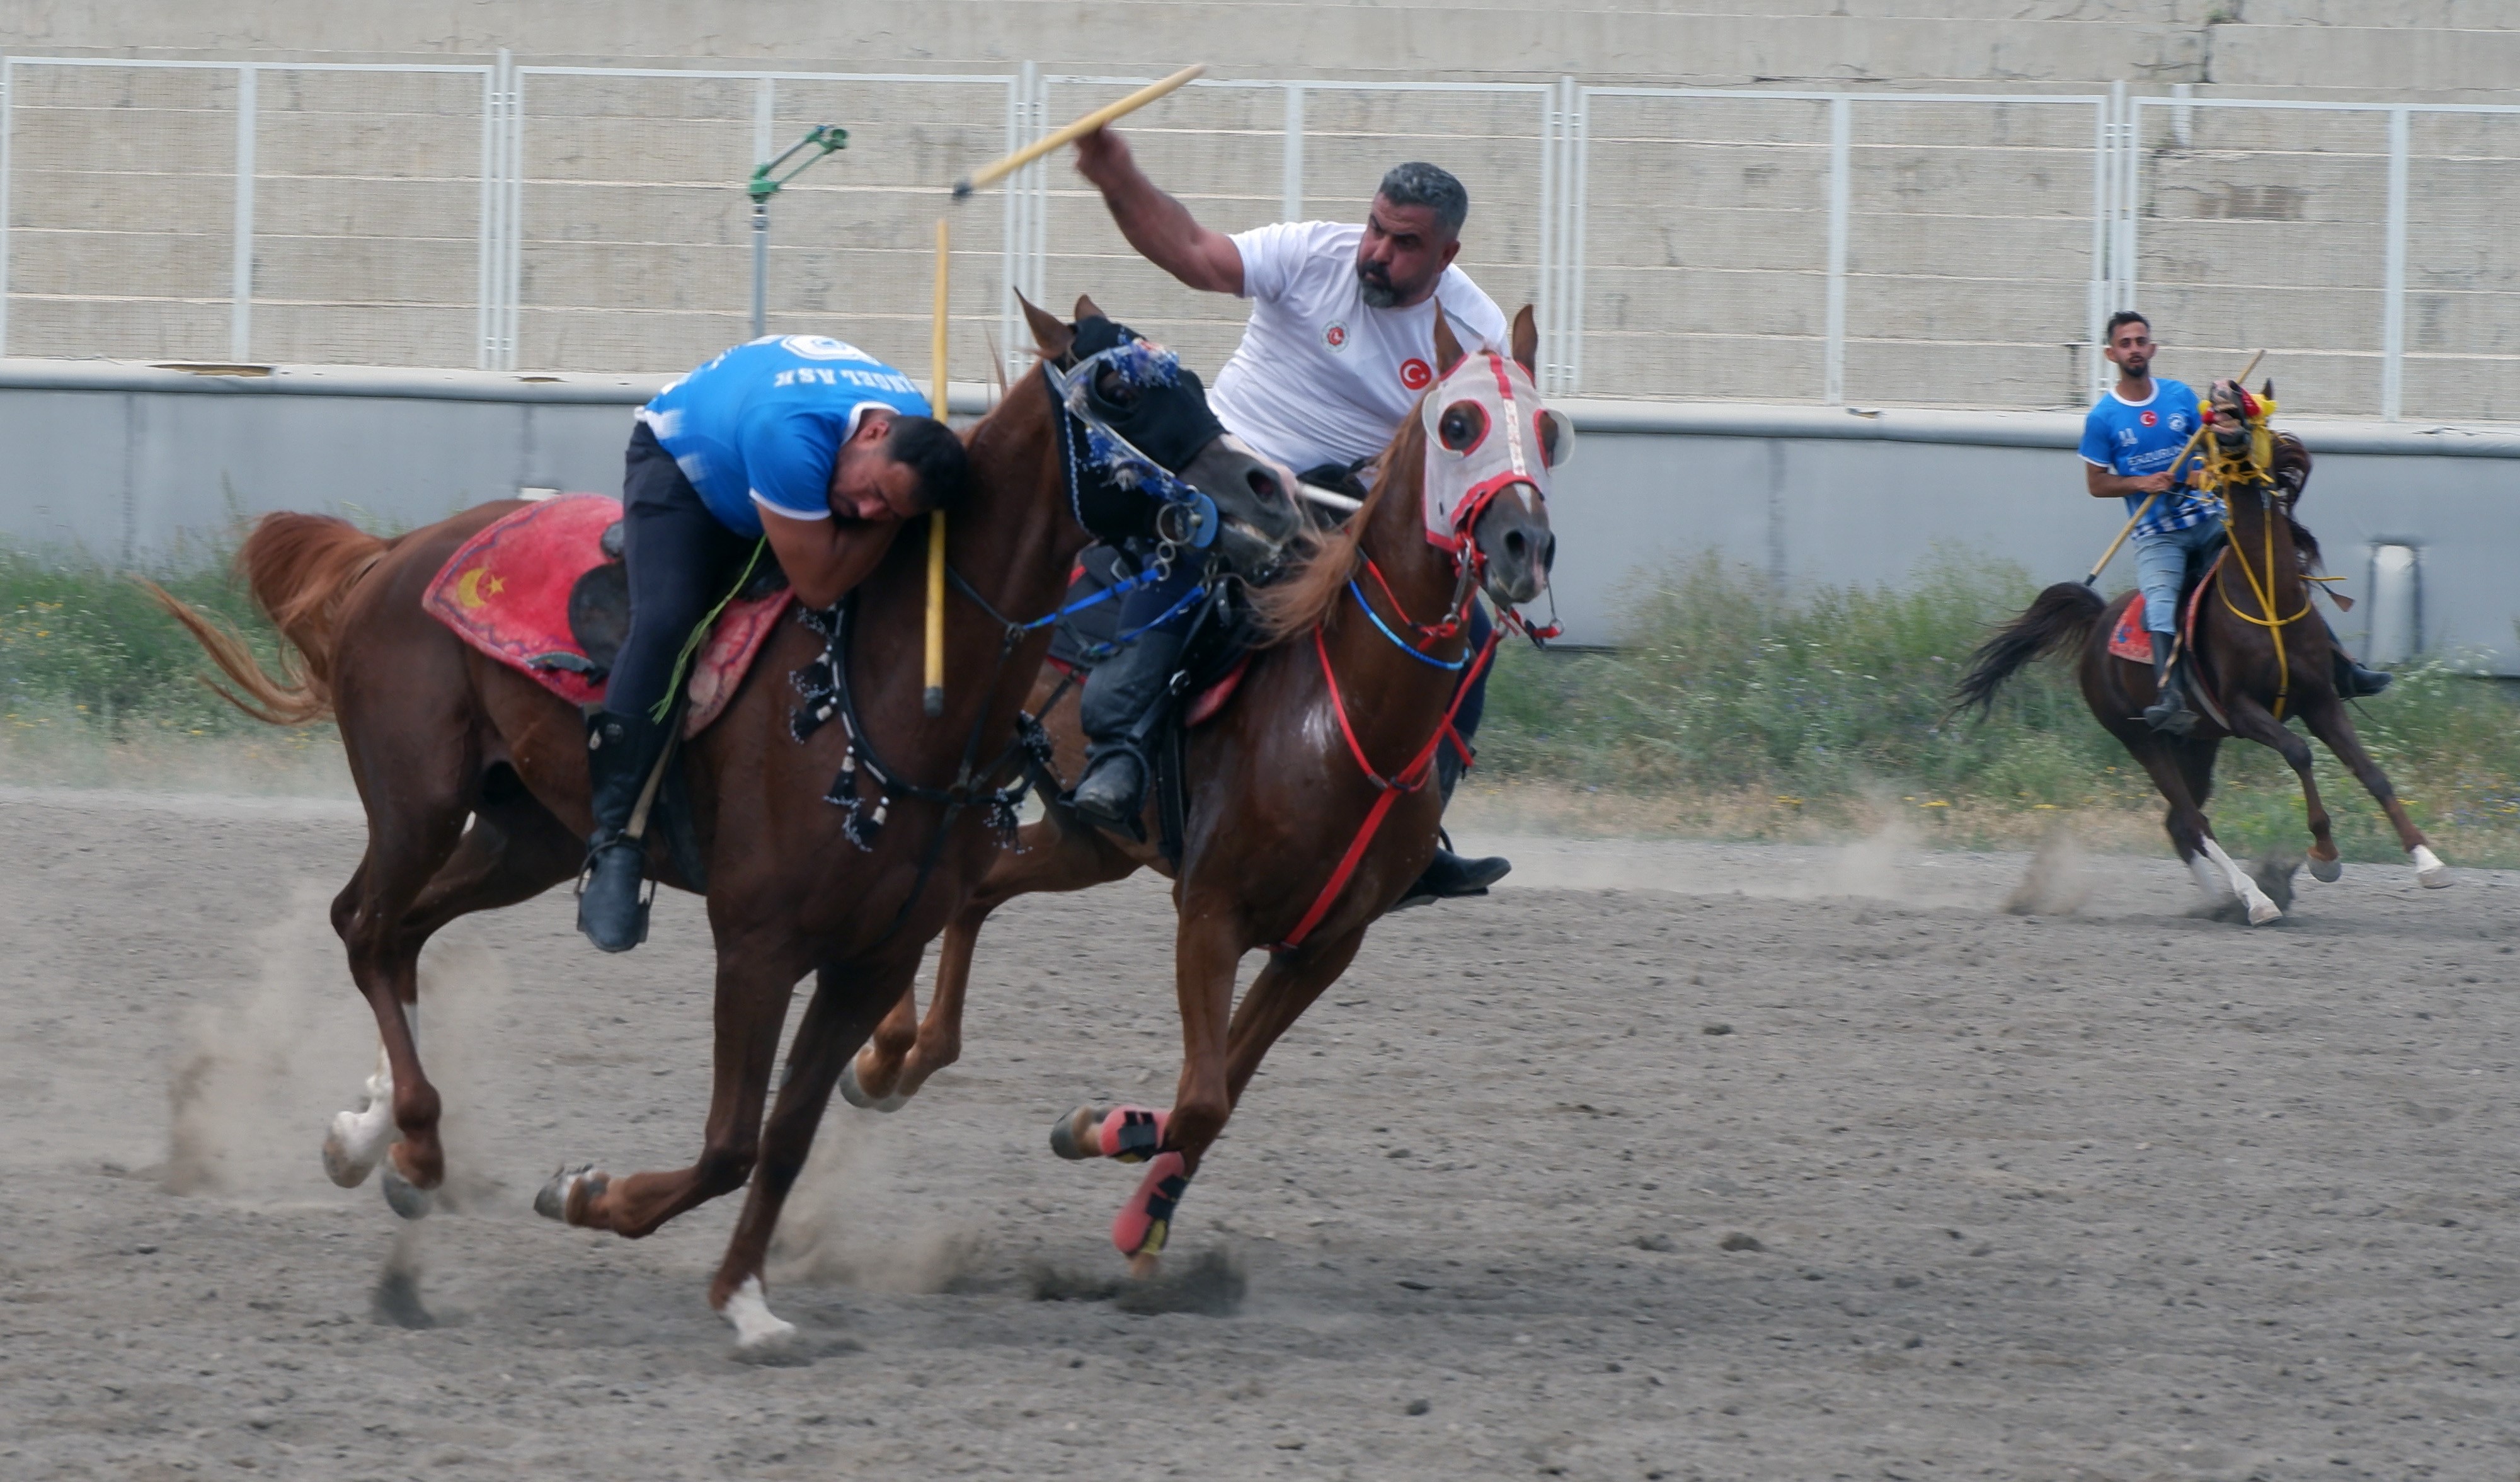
pixel 801 441
pixel 2130 440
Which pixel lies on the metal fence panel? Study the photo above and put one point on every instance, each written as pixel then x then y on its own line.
pixel 2265 227
pixel 121 204
pixel 632 226
pixel 368 232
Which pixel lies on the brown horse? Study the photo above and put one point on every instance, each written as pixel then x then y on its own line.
pixel 2261 657
pixel 438 733
pixel 1283 789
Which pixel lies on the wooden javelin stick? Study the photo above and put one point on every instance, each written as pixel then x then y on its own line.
pixel 935 695
pixel 992 174
pixel 2145 508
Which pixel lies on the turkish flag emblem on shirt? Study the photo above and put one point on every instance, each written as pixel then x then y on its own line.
pixel 2150 420
pixel 1416 375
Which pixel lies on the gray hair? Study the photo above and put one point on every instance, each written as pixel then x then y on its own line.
pixel 1419 183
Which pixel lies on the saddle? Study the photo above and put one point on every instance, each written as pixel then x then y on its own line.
pixel 544 592
pixel 1211 666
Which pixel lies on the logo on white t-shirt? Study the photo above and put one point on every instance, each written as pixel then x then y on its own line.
pixel 1416 373
pixel 1335 336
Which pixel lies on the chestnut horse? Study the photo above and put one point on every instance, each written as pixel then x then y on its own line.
pixel 1331 732
pixel 437 733
pixel 2260 654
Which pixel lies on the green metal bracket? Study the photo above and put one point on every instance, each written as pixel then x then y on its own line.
pixel 823 137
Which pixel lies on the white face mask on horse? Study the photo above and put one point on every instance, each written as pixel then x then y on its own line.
pixel 1487 430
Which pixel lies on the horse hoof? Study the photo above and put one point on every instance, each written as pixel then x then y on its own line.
pixel 1145 1265
pixel 1075 1136
pixel 856 1095
pixel 340 1166
pixel 2327 870
pixel 2430 872
pixel 553 1200
pixel 757 1329
pixel 403 1197
pixel 2263 911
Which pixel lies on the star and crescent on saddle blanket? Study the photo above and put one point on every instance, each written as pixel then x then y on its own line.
pixel 801 456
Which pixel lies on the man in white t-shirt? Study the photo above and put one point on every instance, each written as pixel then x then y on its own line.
pixel 1338 348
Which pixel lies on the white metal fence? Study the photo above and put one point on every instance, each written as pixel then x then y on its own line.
pixel 1834 247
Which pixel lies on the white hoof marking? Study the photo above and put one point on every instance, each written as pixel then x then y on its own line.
pixel 2260 908
pixel 2430 872
pixel 755 1324
pixel 2208 880
pixel 358 1139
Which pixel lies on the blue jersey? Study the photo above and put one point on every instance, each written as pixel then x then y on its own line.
pixel 2133 439
pixel 763 422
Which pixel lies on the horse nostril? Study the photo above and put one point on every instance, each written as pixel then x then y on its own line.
pixel 1265 484
pixel 1516 546
pixel 1547 551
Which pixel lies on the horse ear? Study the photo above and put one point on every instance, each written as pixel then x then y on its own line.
pixel 1087 308
pixel 1448 350
pixel 1051 337
pixel 2269 389
pixel 1526 341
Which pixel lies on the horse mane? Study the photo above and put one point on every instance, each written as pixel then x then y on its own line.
pixel 1302 600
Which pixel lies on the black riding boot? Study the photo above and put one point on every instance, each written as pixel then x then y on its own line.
pixel 620 751
pixel 2353 681
pixel 1449 875
pixel 2169 710
pixel 1119 695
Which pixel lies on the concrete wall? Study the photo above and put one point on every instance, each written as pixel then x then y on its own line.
pixel 129 462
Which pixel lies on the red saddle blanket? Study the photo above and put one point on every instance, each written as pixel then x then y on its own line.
pixel 2128 640
pixel 505 593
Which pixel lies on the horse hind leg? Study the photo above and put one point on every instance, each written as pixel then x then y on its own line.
pixel 2171 763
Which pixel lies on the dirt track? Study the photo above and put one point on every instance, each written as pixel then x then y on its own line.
pixel 2118 1193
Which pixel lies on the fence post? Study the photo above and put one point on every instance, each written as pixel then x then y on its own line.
pixel 2103 168
pixel 484 232
pixel 511 251
pixel 1833 358
pixel 2393 303
pixel 1552 231
pixel 764 119
pixel 8 105
pixel 1291 183
pixel 241 272
pixel 2122 226
pixel 1579 161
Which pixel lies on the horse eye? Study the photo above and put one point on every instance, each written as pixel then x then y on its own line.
pixel 1462 426
pixel 1115 388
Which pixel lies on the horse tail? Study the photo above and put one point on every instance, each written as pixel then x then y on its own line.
pixel 2063 615
pixel 300 568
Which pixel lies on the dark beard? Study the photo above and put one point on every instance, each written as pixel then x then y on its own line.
pixel 1378 293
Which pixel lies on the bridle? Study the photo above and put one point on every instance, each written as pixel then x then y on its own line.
pixel 1451 517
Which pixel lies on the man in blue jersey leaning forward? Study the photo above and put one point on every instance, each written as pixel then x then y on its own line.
pixel 799 439
pixel 2130 440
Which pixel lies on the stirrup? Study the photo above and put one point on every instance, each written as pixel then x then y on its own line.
pixel 1131 823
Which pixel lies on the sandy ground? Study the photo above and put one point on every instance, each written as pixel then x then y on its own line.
pixel 2102 1192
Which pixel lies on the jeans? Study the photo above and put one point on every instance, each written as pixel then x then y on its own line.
pixel 2161 560
pixel 678 560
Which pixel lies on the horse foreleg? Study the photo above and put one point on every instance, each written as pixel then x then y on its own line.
pixel 838 1016
pixel 2331 725
pixel 2254 722
pixel 2168 761
pixel 753 998
pixel 906 1050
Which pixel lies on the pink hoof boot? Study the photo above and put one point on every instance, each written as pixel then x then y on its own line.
pixel 1142 1224
pixel 1131 1133
pixel 1124 1134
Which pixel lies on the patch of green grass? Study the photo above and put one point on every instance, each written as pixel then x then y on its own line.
pixel 81 646
pixel 1727 685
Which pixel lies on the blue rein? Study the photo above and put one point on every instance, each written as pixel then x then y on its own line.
pixel 1451 666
